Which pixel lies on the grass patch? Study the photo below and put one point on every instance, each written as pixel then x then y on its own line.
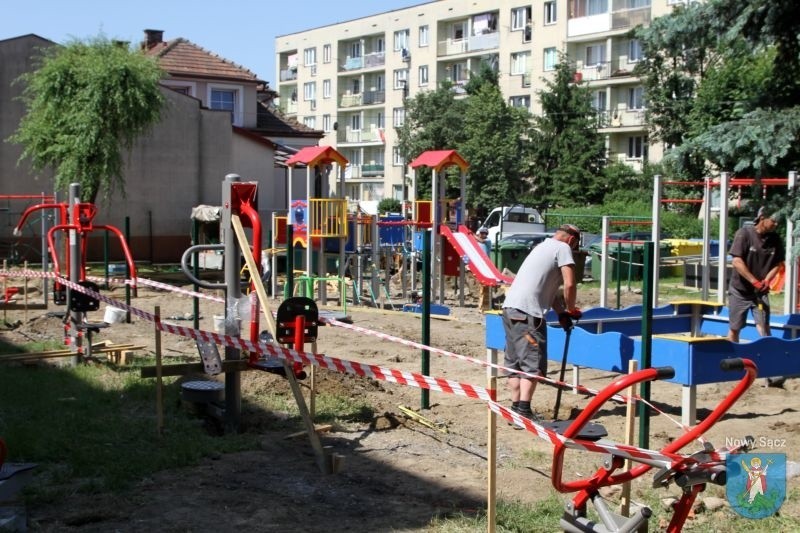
pixel 98 426
pixel 7 348
pixel 511 517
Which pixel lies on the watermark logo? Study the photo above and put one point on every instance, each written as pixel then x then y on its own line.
pixel 756 484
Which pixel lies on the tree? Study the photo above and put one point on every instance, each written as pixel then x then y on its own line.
pixel 568 152
pixel 496 146
pixel 434 120
pixel 86 102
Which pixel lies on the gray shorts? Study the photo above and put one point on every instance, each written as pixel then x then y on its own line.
pixel 739 306
pixel 521 353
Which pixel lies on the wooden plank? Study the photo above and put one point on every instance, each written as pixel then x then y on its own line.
pixel 323 462
pixel 181 369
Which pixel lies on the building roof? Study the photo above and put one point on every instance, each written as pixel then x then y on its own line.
pixel 180 57
pixel 439 159
pixel 271 121
pixel 316 155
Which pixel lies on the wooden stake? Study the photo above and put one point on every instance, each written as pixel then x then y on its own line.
pixel 5 289
pixel 630 426
pixel 159 380
pixel 25 292
pixel 323 462
pixel 491 444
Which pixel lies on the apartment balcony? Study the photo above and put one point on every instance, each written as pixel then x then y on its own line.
pixel 373 60
pixel 289 108
pixel 621 121
pixel 623 19
pixel 372 135
pixel 474 43
pixel 365 98
pixel 606 70
pixel 289 74
pixel 363 171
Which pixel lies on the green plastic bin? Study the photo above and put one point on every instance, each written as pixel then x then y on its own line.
pixel 629 263
pixel 511 256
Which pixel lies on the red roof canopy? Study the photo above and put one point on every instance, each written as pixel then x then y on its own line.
pixel 313 156
pixel 439 159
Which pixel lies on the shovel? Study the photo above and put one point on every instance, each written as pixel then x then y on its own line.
pixel 568 333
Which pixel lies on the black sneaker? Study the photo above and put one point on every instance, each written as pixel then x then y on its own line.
pixel 536 418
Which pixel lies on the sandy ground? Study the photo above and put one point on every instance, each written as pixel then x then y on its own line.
pixel 397 473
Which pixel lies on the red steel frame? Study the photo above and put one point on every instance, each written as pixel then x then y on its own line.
pixel 586 488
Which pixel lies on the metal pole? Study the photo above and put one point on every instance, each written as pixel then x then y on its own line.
pixel 723 238
pixel 233 293
pixel 426 313
pixel 647 334
pixel 127 272
pixel 790 282
pixel 45 257
pixel 705 260
pixel 604 264
pixel 75 258
pixel 196 273
pixel 656 235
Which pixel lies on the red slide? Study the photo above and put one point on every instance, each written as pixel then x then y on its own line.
pixel 476 259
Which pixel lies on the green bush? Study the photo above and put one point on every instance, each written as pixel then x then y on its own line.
pixel 389 205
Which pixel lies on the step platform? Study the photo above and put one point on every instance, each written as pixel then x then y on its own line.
pixel 590 431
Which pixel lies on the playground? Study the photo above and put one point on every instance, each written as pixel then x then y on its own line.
pixel 397 472
pixel 423 445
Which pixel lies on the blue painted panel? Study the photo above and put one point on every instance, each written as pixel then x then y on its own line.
pixel 606 351
pixel 495 335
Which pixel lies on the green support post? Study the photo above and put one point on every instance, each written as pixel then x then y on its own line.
pixel 196 273
pixel 647 344
pixel 426 313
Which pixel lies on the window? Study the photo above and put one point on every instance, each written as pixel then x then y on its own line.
pixel 225 99
pixel 355 49
pixel 423 35
pixel 637 147
pixel 520 101
pixel 310 57
pixel 354 157
pixel 310 91
pixel 550 13
pixel 326 88
pixel 595 55
pixel 398 117
pixel 599 100
pixel 380 45
pixel 585 8
pixel 326 53
pixel 326 123
pixel 400 78
pixel 401 40
pixel 355 122
pixel 636 98
pixel 519 63
pixel 550 58
pixel 311 122
pixel 520 17
pixel 397 159
pixel 423 75
pixel 634 50
pixel 355 86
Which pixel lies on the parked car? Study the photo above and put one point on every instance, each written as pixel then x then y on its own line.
pixel 590 240
pixel 528 239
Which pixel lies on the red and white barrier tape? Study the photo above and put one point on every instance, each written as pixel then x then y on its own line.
pixel 365 370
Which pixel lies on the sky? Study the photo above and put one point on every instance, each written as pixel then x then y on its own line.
pixel 241 31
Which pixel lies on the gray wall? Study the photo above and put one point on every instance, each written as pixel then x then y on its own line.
pixel 179 164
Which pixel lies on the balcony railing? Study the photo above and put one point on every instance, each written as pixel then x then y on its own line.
pixel 371 170
pixel 360 136
pixel 630 18
pixel 621 118
pixel 374 97
pixel 602 71
pixel 375 59
pixel 350 100
pixel 474 43
pixel 289 74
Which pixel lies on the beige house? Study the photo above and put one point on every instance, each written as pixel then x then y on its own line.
pixel 217 120
pixel 349 79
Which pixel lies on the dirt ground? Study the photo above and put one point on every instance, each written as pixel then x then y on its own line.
pixel 397 474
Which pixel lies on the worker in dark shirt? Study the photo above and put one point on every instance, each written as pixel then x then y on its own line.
pixel 758 255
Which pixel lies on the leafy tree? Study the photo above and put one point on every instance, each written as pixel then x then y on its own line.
pixel 568 152
pixel 86 102
pixel 434 120
pixel 496 147
pixel 389 205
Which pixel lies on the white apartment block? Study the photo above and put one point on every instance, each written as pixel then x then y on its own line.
pixel 349 79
